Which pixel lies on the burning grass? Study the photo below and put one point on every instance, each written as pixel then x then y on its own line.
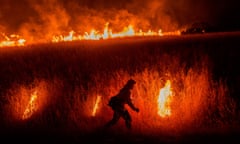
pixel 72 83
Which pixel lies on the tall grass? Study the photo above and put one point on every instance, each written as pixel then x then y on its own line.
pixel 68 77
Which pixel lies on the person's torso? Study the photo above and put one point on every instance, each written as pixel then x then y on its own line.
pixel 122 98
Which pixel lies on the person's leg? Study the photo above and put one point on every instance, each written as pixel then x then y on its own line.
pixel 127 119
pixel 115 118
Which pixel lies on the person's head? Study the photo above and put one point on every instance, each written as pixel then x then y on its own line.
pixel 130 83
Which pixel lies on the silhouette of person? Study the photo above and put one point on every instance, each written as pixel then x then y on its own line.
pixel 117 103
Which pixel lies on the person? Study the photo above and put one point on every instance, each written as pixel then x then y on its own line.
pixel 117 103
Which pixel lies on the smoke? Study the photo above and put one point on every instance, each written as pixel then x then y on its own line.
pixel 51 19
pixel 44 18
pixel 158 15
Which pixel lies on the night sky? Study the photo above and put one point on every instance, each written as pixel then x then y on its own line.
pixel 28 16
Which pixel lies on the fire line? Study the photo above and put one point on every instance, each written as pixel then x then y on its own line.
pixel 128 31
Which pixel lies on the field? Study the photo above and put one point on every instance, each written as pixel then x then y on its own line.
pixel 48 91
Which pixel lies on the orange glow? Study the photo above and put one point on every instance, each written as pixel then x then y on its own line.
pixel 96 105
pixel 164 100
pixel 107 33
pixel 12 40
pixel 31 107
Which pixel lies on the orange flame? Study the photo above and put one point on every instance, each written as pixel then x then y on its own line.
pixel 128 31
pixel 96 105
pixel 31 107
pixel 107 33
pixel 164 100
pixel 12 40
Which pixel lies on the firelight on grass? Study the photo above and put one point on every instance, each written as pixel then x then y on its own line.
pixel 96 106
pixel 31 107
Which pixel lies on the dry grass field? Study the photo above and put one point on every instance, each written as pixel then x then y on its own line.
pixel 48 91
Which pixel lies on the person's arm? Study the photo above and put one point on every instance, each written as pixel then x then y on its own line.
pixel 129 102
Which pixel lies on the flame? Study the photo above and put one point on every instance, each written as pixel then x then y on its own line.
pixel 12 40
pixel 128 31
pixel 164 100
pixel 96 106
pixel 107 33
pixel 31 107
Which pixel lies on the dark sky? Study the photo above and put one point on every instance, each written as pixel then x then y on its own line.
pixel 28 16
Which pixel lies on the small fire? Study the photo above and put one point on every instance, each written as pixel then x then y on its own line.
pixel 164 100
pixel 12 40
pixel 31 107
pixel 96 106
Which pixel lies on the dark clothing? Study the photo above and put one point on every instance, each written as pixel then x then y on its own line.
pixel 122 98
pixel 117 115
pixel 117 104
